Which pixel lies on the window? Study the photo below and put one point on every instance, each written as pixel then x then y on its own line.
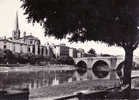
pixel 31 41
pixel 38 49
pixel 42 51
pixel 28 49
pixel 33 50
pixel 4 46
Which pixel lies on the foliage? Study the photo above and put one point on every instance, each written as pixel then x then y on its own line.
pixel 22 58
pixel 8 56
pixel 31 58
pixel 87 19
pixel 39 58
pixel 111 21
pixel 92 51
pixel 2 55
pixel 65 60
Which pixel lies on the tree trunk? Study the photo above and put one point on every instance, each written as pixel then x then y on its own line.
pixel 127 70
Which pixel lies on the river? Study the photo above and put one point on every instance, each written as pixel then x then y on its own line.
pixel 34 78
pixel 37 77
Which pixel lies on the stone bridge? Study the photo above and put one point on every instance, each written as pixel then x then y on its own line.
pixel 102 67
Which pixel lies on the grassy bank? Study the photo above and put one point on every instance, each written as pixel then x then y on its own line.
pixel 71 88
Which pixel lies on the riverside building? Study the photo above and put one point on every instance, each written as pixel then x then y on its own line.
pixel 63 50
pixel 25 44
pixel 31 44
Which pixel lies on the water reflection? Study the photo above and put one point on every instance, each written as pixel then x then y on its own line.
pixel 38 79
pixel 34 79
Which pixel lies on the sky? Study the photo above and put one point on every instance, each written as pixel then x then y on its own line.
pixel 8 9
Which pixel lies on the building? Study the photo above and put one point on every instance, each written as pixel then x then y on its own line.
pixel 73 52
pixel 61 50
pixel 31 44
pixel 80 53
pixel 25 44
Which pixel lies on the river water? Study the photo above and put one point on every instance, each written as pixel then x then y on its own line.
pixel 35 79
pixel 32 79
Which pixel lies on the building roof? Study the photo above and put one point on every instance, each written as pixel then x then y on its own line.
pixel 11 41
pixel 30 37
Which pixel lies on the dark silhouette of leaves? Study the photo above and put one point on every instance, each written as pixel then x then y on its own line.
pixel 111 21
pixel 92 51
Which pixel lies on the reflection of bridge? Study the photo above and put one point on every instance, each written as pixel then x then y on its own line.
pixel 102 67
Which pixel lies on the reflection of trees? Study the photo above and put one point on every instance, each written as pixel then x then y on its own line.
pixel 64 76
pixel 12 79
pixel 103 68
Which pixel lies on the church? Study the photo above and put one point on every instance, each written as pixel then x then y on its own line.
pixel 25 44
pixel 30 44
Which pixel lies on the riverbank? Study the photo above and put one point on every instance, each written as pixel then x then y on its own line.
pixel 46 93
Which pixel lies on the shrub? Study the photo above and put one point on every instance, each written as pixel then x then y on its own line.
pixel 65 60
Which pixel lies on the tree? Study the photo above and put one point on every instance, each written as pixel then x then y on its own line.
pixel 92 51
pixel 16 57
pixel 111 21
pixel 31 58
pixel 9 57
pixel 66 60
pixel 2 55
pixel 39 58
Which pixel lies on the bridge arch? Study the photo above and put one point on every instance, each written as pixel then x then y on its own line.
pixel 119 61
pixel 81 67
pixel 120 68
pixel 101 69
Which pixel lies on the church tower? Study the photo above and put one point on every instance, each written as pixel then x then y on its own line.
pixel 16 32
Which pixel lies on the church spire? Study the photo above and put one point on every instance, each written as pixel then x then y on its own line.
pixel 16 22
pixel 16 32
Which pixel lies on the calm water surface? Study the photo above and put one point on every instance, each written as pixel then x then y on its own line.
pixel 35 79
pixel 39 78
